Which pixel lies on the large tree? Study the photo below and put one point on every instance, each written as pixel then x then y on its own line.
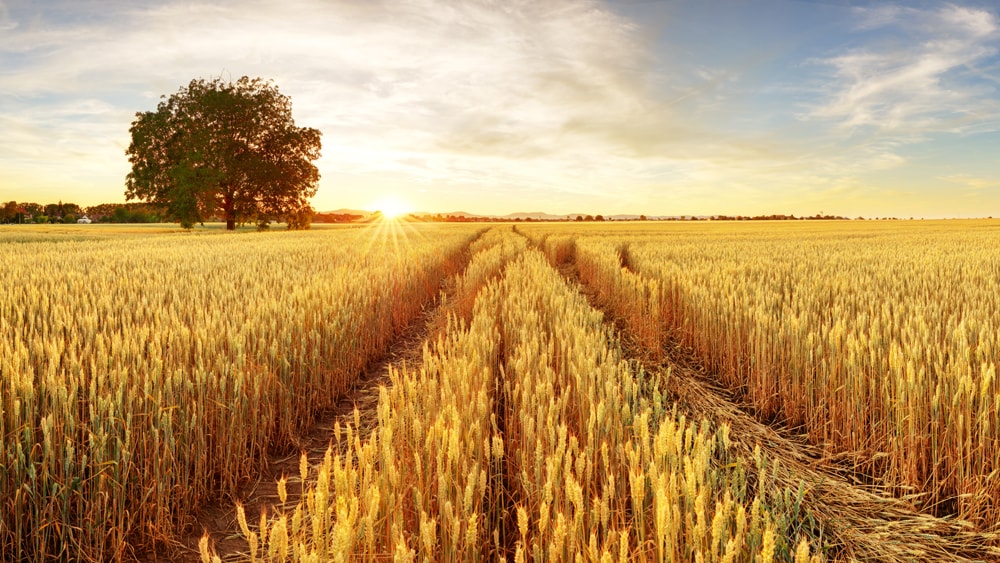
pixel 229 148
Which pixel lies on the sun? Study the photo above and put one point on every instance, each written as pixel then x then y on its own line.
pixel 392 207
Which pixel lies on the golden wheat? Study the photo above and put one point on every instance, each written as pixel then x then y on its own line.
pixel 880 340
pixel 525 435
pixel 140 376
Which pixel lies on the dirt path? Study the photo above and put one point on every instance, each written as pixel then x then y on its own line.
pixel 857 523
pixel 358 407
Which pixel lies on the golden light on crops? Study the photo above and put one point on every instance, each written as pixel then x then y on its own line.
pixel 589 461
pixel 388 227
pixel 156 384
pixel 526 431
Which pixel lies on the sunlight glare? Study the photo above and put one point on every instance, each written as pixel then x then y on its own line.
pixel 392 207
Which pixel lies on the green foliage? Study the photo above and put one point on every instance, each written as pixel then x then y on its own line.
pixel 300 219
pixel 223 148
pixel 10 212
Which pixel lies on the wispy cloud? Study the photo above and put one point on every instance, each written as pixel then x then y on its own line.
pixel 439 90
pixel 917 76
pixel 972 182
pixel 491 104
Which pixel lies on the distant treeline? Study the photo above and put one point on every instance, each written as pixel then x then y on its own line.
pixel 439 218
pixel 26 212
pixel 335 218
pixel 816 217
pixel 599 218
pixel 29 212
pixel 487 219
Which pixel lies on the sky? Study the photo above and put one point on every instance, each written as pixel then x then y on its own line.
pixel 669 107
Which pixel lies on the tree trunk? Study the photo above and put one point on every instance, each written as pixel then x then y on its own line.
pixel 229 207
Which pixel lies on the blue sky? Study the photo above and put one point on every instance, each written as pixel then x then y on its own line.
pixel 565 106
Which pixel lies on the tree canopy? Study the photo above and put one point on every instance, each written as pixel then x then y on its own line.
pixel 224 148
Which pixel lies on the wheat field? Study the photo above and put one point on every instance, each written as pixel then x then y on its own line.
pixel 879 340
pixel 528 437
pixel 146 374
pixel 141 375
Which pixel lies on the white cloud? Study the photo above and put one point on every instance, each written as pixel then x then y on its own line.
pixel 438 89
pixel 562 101
pixel 978 23
pixel 920 82
pixel 970 182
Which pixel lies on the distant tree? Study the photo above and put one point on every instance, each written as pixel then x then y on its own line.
pixel 337 218
pixel 589 218
pixel 69 212
pixel 53 210
pixel 598 217
pixel 32 209
pixel 579 217
pixel 229 148
pixel 120 215
pixel 300 219
pixel 8 212
pixel 642 217
pixel 125 213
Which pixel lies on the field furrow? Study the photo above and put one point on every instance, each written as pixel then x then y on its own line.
pixel 526 435
pixel 856 521
pixel 357 407
pixel 544 392
pixel 147 376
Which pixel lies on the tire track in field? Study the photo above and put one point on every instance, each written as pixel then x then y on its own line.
pixel 358 407
pixel 857 523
